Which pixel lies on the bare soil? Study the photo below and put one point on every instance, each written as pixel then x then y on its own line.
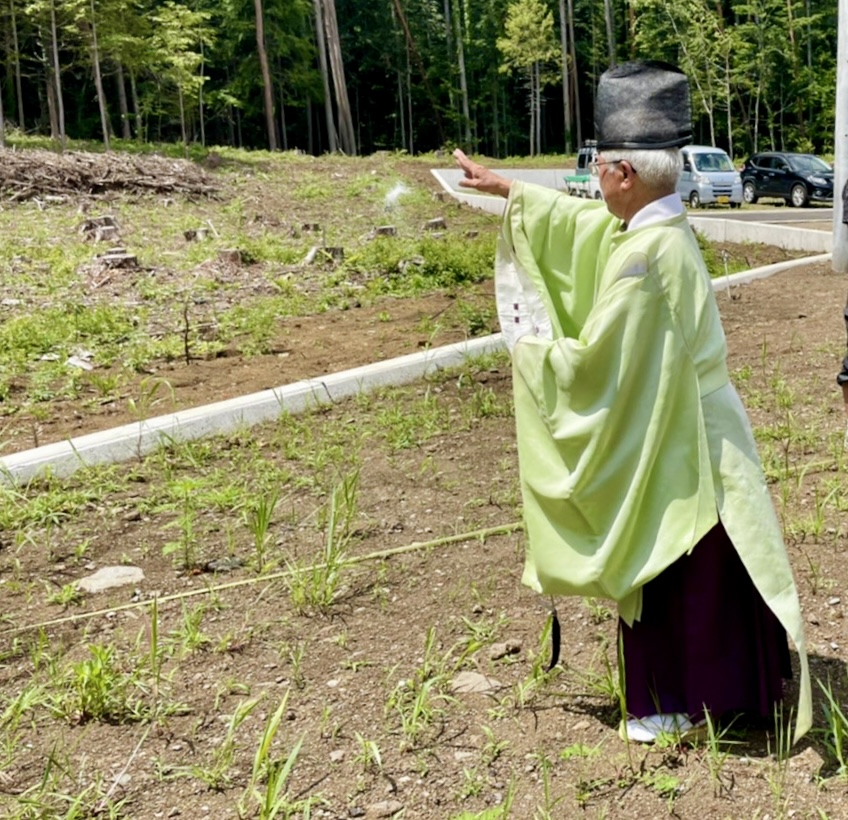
pixel 547 745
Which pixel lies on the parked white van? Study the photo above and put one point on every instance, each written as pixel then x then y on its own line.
pixel 709 177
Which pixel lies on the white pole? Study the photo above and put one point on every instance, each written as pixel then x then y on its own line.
pixel 840 146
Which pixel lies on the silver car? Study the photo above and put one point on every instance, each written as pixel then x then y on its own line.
pixel 709 177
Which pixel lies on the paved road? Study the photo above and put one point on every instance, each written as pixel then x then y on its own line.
pixel 770 214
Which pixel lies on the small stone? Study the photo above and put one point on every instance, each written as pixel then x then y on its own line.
pixel 581 726
pixel 834 600
pixel 813 620
pixel 808 763
pixel 337 755
pixel 225 564
pixel 385 808
pixel 109 577
pixel 468 682
pixel 460 756
pixel 501 650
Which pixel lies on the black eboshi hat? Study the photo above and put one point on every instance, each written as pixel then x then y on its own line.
pixel 643 104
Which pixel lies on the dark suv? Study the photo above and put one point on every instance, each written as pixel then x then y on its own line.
pixel 797 178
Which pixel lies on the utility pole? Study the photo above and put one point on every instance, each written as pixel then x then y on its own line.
pixel 840 146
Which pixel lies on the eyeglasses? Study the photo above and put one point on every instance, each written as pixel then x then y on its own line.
pixel 595 167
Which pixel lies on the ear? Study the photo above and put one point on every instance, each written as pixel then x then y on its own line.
pixel 628 175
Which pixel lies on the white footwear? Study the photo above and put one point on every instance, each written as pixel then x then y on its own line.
pixel 648 729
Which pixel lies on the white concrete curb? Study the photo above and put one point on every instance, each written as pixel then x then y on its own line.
pixel 135 440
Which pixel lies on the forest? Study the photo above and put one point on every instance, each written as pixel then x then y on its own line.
pixel 499 77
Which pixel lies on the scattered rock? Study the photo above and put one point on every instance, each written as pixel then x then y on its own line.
pixel 225 564
pixel 385 808
pixel 501 650
pixel 834 600
pixel 109 577
pixel 808 763
pixel 466 682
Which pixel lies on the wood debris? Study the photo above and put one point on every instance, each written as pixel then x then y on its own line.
pixel 43 176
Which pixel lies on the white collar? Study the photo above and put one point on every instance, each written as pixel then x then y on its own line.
pixel 657 211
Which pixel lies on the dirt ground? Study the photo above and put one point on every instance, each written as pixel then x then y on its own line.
pixel 369 687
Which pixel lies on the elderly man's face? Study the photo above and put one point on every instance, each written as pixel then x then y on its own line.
pixel 610 176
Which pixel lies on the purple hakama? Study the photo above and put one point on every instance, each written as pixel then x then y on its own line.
pixel 706 639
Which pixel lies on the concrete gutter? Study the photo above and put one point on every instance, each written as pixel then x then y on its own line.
pixel 132 441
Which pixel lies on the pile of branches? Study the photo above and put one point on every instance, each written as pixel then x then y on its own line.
pixel 35 174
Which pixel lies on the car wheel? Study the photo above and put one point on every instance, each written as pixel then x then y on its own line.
pixel 749 193
pixel 695 199
pixel 798 197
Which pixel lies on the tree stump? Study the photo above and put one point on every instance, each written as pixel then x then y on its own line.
pixel 196 234
pixel 311 227
pixel 385 230
pixel 123 261
pixel 437 224
pixel 90 227
pixel 106 233
pixel 230 256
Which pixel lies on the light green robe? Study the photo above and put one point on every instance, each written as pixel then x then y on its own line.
pixel 632 442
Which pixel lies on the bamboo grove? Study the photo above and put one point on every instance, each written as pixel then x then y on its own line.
pixel 500 77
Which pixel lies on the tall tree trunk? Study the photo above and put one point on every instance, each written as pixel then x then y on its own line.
pixel 574 84
pixel 182 118
pixel 463 80
pixel 2 121
pixel 139 124
pixel 402 109
pixel 566 90
pixel 409 100
pixel 449 43
pixel 347 138
pixel 283 137
pixel 266 74
pixel 610 24
pixel 122 101
pixel 98 80
pixel 538 72
pixel 531 81
pixel 18 84
pixel 57 77
pixel 325 77
pixel 200 110
pixel 52 114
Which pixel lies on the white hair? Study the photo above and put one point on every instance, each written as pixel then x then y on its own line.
pixel 657 168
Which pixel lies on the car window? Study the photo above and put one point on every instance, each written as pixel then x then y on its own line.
pixel 807 162
pixel 713 162
pixel 762 162
pixel 779 164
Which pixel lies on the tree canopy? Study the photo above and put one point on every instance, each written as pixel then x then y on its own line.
pixel 367 75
